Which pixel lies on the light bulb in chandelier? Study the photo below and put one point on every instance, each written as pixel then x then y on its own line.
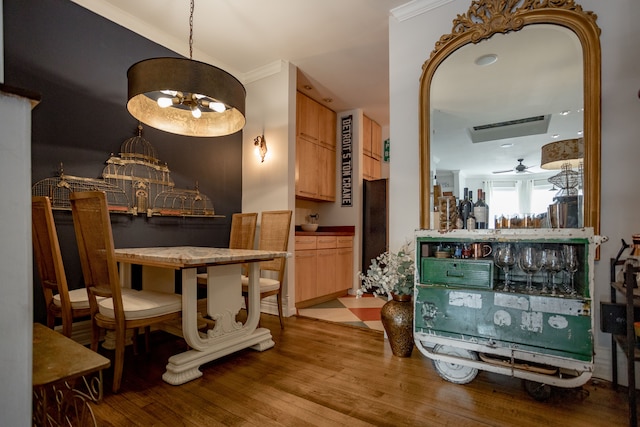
pixel 174 97
pixel 195 111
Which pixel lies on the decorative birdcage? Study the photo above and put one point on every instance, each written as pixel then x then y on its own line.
pixel 182 203
pixel 58 190
pixel 131 181
pixel 568 181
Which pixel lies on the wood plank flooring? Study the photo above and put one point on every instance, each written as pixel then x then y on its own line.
pixel 327 374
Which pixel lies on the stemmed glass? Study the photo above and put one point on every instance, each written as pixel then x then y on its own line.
pixel 570 255
pixel 529 262
pixel 505 257
pixel 552 263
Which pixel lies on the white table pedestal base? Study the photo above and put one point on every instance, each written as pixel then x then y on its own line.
pixel 184 367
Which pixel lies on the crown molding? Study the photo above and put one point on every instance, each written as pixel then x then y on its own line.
pixel 264 71
pixel 415 8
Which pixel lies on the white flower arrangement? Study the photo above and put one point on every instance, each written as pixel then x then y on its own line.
pixel 390 273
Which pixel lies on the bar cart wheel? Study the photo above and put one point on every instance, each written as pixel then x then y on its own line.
pixel 453 372
pixel 538 391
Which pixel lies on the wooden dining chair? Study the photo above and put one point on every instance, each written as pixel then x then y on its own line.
pixel 242 236
pixel 243 230
pixel 119 310
pixel 61 303
pixel 274 236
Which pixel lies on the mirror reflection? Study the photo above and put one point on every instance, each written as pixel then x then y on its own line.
pixel 506 117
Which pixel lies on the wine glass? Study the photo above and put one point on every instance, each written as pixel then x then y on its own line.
pixel 552 264
pixel 570 255
pixel 504 258
pixel 529 262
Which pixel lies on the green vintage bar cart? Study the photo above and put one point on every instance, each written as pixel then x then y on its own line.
pixel 517 302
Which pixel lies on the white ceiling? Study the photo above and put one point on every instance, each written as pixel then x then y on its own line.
pixel 341 47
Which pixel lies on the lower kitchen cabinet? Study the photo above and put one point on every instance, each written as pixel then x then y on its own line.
pixel 324 268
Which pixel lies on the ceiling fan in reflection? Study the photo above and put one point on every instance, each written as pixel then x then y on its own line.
pixel 519 168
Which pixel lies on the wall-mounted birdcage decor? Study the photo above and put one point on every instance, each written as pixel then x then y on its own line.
pixel 58 189
pixel 179 202
pixel 135 182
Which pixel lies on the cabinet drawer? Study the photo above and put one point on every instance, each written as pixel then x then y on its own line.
pixel 457 272
pixel 344 242
pixel 326 242
pixel 305 242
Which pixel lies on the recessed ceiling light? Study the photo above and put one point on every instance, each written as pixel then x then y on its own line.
pixel 307 87
pixel 487 59
pixel 328 100
pixel 506 145
pixel 564 113
pixel 580 133
pixel 555 135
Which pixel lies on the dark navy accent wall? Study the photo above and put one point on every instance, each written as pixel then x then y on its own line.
pixel 78 62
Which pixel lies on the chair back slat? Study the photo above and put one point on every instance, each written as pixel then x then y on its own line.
pixel 48 258
pixel 274 236
pixel 95 245
pixel 243 230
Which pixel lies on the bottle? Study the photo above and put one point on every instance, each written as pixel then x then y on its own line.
pixel 480 211
pixel 465 208
pixel 471 219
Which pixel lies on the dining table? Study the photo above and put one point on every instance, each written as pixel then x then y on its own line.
pixel 223 299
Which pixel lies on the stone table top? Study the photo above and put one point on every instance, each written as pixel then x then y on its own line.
pixel 192 256
pixel 56 357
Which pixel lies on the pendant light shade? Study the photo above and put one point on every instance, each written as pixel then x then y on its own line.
pixel 558 153
pixel 185 97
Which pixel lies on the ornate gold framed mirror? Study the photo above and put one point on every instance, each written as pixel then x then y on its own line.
pixel 488 18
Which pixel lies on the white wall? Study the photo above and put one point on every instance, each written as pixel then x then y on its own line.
pixel 410 43
pixel 270 102
pixel 16 304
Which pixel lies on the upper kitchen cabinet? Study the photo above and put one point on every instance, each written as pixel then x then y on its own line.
pixel 372 149
pixel 315 150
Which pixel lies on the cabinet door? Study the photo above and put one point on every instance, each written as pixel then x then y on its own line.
pixel 376 141
pixel 376 169
pixel 366 135
pixel 344 269
pixel 326 176
pixel 307 168
pixel 307 113
pixel 306 271
pixel 326 278
pixel 367 167
pixel 327 128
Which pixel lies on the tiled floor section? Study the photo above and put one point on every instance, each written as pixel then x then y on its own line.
pixel 363 312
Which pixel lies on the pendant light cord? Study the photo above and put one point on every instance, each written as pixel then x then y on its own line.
pixel 191 30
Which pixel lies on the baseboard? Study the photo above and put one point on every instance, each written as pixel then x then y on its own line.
pixel 603 366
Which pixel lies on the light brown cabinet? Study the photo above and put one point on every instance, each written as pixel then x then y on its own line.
pixel 324 268
pixel 315 150
pixel 372 149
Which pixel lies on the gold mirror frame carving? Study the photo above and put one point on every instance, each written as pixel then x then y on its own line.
pixel 488 17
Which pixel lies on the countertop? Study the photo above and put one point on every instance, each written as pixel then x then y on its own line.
pixel 334 230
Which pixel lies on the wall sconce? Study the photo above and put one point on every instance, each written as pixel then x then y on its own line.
pixel 261 147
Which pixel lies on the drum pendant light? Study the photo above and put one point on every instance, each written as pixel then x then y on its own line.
pixel 186 97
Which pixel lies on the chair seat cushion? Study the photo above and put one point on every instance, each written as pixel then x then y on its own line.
pixel 78 298
pixel 143 304
pixel 266 284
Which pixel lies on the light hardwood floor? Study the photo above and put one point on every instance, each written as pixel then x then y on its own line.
pixel 326 374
